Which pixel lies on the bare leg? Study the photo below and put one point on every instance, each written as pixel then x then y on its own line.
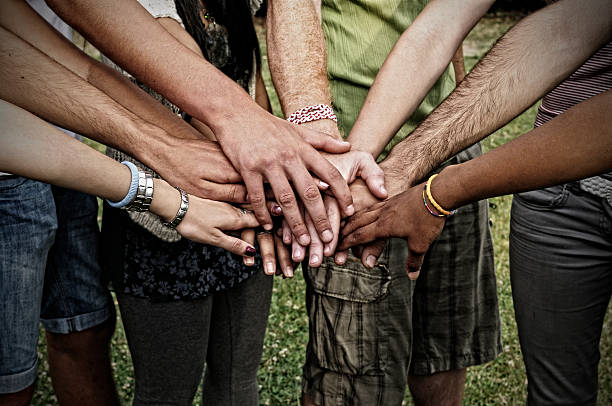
pixel 21 398
pixel 441 389
pixel 80 366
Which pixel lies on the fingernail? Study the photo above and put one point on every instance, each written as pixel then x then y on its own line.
pixel 350 210
pixel 304 239
pixel 371 260
pixel 270 268
pixel 383 189
pixel 276 209
pixel 249 261
pixel 289 272
pixel 250 251
pixel 327 250
pixel 267 227
pixel 314 260
pixel 327 236
pixel 323 184
pixel 297 253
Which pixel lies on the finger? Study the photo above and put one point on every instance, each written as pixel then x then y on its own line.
pixel 284 258
pixel 248 235
pixel 298 252
pixel 313 202
pixel 287 235
pixel 414 262
pixel 240 218
pixel 340 257
pixel 330 175
pixel 266 247
pixel 373 176
pixel 359 220
pixel 315 249
pixel 334 216
pixel 324 142
pixel 235 245
pixel 371 252
pixel 221 192
pixel 274 208
pixel 257 198
pixel 359 236
pixel 291 210
pixel 320 184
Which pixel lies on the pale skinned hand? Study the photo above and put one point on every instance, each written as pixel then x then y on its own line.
pixel 270 149
pixel 206 220
pixel 199 167
pixel 404 216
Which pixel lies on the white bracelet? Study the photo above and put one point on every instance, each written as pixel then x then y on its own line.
pixel 131 194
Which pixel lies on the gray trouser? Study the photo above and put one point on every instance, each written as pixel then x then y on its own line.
pixel 561 270
pixel 171 341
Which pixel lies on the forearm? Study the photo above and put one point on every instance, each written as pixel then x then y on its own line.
pixel 17 17
pixel 36 83
pixel 528 61
pixel 574 145
pixel 130 36
pixel 34 149
pixel 417 60
pixel 296 54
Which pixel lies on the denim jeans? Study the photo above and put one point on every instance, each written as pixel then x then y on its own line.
pixel 49 272
pixel 561 272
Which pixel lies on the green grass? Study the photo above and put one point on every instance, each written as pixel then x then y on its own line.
pixel 501 382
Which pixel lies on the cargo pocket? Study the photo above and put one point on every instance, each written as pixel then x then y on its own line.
pixel 346 308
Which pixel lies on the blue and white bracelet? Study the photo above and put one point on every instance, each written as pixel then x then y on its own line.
pixel 129 197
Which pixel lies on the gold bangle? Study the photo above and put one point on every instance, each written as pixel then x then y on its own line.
pixel 433 201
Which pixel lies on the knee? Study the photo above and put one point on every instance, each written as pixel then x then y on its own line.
pixel 95 338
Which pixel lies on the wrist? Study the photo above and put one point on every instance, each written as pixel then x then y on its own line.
pixel 448 188
pixel 166 200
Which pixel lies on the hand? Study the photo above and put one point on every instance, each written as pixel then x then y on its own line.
pixel 403 216
pixel 274 255
pixel 200 168
pixel 359 164
pixel 268 148
pixel 205 220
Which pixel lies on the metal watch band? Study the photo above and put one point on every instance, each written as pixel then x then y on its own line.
pixel 180 214
pixel 144 195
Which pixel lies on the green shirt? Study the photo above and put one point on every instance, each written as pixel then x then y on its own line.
pixel 359 35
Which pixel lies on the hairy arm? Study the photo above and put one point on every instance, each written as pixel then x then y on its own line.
pixel 533 57
pixel 416 62
pixel 573 145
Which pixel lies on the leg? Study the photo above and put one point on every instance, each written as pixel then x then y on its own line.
pixel 79 365
pixel 442 388
pixel 168 342
pixel 561 272
pixel 360 331
pixel 27 231
pixel 239 320
pixel 455 317
pixel 77 309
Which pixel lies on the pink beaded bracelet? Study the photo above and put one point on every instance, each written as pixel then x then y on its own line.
pixel 312 113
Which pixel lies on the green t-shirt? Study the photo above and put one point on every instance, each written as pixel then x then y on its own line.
pixel 359 35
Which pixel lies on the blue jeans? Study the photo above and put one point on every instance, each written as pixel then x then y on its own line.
pixel 49 272
pixel 561 272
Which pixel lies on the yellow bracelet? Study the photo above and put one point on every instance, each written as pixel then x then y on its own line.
pixel 433 201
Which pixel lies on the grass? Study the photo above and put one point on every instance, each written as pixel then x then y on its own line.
pixel 501 382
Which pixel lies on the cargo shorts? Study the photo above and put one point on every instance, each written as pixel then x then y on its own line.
pixel 371 328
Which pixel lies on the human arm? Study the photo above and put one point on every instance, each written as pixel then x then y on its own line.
pixel 259 145
pixel 574 145
pixel 415 63
pixel 533 57
pixel 32 148
pixel 169 145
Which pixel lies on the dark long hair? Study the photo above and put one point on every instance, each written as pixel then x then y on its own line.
pixel 235 15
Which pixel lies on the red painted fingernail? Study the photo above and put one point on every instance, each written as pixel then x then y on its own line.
pixel 250 252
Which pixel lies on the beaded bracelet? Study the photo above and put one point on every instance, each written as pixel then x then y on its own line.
pixel 433 201
pixel 131 194
pixel 312 113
